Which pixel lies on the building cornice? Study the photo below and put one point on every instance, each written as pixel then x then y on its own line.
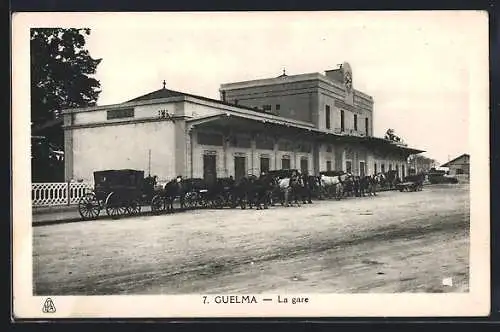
pixel 122 122
pixel 124 105
pixel 291 79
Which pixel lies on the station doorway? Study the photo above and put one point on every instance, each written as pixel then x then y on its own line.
pixel 209 167
pixel 240 169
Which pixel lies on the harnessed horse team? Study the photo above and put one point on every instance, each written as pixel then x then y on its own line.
pixel 285 187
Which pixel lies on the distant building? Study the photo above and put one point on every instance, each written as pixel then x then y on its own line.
pixel 458 166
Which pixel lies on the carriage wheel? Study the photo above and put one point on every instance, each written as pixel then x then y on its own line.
pixel 202 202
pixel 89 207
pixel 190 200
pixel 157 204
pixel 114 208
pixel 134 208
pixel 218 202
pixel 243 202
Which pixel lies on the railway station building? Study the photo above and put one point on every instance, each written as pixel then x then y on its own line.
pixel 313 122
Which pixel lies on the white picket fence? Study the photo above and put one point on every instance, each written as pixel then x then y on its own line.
pixel 58 193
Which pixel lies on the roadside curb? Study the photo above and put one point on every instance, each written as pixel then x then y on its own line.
pixel 54 209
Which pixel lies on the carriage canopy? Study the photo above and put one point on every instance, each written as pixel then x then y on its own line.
pixel 115 180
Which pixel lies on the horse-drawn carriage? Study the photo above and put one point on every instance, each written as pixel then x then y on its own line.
pixel 119 192
pixel 411 183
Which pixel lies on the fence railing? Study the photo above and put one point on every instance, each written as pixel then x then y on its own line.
pixel 58 193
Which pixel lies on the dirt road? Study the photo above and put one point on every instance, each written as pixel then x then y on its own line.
pixel 396 242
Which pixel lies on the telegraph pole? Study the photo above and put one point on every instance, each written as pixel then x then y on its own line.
pixel 149 163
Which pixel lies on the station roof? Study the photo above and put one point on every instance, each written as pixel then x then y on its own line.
pixel 447 164
pixel 248 123
pixel 167 93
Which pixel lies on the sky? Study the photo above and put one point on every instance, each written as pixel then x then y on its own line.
pixel 418 66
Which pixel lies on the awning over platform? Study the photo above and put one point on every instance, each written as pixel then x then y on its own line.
pixel 229 122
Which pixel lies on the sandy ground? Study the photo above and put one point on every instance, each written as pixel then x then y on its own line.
pixel 395 242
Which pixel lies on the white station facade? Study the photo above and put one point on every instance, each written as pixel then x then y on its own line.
pixel 313 122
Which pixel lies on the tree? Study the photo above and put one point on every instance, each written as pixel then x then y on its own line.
pixel 421 163
pixel 60 73
pixel 61 70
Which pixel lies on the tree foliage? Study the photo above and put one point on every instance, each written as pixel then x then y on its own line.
pixel 61 77
pixel 61 70
pixel 421 163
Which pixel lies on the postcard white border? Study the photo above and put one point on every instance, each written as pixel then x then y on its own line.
pixel 474 303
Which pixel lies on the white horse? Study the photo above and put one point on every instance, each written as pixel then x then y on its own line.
pixel 333 184
pixel 286 188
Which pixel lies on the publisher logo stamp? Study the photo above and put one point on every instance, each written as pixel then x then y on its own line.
pixel 48 306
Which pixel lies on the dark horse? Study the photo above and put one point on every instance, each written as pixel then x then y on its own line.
pixel 258 192
pixel 172 190
pixel 368 185
pixel 242 192
pixel 310 185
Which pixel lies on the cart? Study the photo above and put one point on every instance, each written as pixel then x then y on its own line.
pixel 409 186
pixel 119 192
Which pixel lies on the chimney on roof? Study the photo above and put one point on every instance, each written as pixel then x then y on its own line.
pixel 284 73
pixel 164 84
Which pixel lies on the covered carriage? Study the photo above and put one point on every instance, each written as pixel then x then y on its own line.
pixel 119 192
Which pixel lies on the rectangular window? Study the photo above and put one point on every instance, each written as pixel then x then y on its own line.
pixel 362 168
pixel 366 127
pixel 264 164
pixel 375 168
pixel 329 148
pixel 209 139
pixel 327 115
pixel 285 162
pixel 355 122
pixel 120 114
pixel 348 166
pixel 304 165
pixel 328 165
pixel 278 107
pixel 266 108
pixel 382 168
pixel 342 124
pixel 403 174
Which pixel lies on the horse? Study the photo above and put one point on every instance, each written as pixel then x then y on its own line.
pixel 310 184
pixel 149 187
pixel 332 182
pixel 261 191
pixel 243 192
pixel 368 185
pixel 290 186
pixel 171 190
pixel 347 181
pixel 356 180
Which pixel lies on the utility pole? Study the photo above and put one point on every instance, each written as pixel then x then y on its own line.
pixel 149 163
